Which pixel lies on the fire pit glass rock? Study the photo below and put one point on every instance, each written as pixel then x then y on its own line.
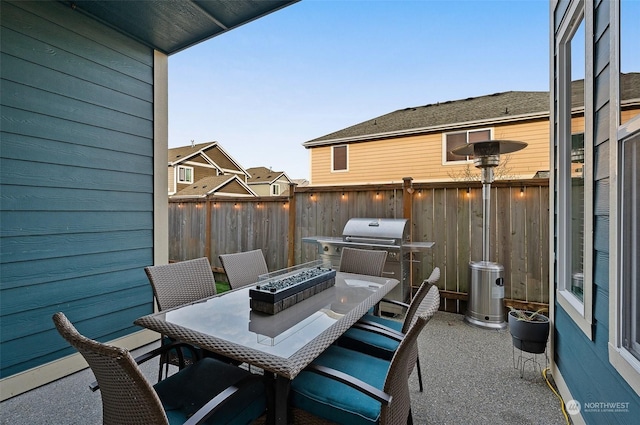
pixel 280 290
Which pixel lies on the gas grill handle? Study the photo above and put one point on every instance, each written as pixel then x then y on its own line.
pixel 370 240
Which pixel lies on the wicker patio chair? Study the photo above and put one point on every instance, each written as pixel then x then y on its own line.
pixel 243 268
pixel 359 337
pixel 180 283
pixel 349 387
pixel 362 261
pixel 176 284
pixel 208 391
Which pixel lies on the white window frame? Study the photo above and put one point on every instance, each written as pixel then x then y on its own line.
pixel 581 312
pixel 178 180
pixel 445 146
pixel 275 190
pixel 620 358
pixel 333 169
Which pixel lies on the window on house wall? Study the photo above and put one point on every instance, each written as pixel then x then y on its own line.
pixel 574 177
pixel 630 295
pixel 275 189
pixel 185 174
pixel 461 138
pixel 624 305
pixel 629 58
pixel 339 158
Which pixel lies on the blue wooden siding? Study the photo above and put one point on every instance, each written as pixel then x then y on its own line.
pixel 76 168
pixel 584 364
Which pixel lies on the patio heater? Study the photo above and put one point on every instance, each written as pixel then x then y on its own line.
pixel 485 305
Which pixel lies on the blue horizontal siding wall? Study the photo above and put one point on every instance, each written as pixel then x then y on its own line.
pixel 584 363
pixel 76 169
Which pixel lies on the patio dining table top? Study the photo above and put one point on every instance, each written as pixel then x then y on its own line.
pixel 283 343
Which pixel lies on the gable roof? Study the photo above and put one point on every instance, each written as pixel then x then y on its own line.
pixel 224 185
pixel 264 175
pixel 173 26
pixel 212 153
pixel 507 106
pixel 473 111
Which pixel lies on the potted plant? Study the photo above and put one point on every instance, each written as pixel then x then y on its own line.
pixel 529 330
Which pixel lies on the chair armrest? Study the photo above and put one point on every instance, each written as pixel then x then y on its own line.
pixel 165 348
pixel 376 327
pixel 218 401
pixel 395 302
pixel 351 381
pixel 154 353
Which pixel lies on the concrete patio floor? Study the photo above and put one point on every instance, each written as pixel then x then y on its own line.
pixel 468 375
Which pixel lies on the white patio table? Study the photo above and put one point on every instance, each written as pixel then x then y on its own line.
pixel 282 344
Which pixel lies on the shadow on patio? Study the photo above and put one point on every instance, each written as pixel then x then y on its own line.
pixel 468 374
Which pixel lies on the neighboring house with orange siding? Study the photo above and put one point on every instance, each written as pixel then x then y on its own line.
pixel 416 142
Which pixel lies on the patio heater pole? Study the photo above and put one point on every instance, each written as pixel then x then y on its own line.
pixel 485 303
pixel 487 179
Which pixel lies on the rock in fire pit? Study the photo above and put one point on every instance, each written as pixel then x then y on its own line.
pixel 290 287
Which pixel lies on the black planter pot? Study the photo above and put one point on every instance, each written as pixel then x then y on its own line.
pixel 530 336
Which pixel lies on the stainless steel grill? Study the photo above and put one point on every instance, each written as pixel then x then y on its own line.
pixel 389 234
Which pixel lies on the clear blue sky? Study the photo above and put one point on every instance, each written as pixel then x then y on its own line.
pixel 319 66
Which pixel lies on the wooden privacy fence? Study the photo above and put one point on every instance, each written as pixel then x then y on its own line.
pixel 449 214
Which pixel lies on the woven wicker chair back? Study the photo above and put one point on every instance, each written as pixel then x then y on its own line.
pixel 362 261
pixel 243 268
pixel 127 397
pixel 180 283
pixel 396 383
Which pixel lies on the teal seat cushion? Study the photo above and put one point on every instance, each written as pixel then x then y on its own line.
pixel 390 323
pixel 332 400
pixel 184 392
pixel 370 342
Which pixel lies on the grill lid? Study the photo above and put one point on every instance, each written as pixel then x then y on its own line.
pixel 389 231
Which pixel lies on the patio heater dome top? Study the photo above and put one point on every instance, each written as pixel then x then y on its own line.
pixel 489 147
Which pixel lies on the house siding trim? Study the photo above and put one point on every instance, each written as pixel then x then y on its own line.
pixel 160 158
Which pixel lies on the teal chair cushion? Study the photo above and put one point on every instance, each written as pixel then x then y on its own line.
pixel 370 342
pixel 390 323
pixel 332 400
pixel 184 392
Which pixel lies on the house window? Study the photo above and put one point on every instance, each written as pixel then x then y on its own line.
pixel 339 158
pixel 275 189
pixel 185 174
pixel 624 222
pixel 573 157
pixel 630 294
pixel 629 48
pixel 455 140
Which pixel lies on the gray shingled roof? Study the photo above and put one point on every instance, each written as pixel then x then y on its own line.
pixel 208 185
pixel 179 153
pixel 263 175
pixel 504 105
pixel 482 110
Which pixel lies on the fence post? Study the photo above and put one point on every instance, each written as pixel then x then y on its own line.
pixel 407 212
pixel 207 230
pixel 292 226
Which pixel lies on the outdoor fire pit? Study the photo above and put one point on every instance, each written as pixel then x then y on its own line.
pixel 280 290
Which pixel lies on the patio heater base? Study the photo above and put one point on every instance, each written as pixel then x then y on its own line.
pixel 485 305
